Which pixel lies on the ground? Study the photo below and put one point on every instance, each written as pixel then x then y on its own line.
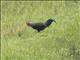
pixel 60 41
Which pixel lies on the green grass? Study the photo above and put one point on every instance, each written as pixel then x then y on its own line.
pixel 60 41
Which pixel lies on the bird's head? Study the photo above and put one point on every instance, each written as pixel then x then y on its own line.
pixel 51 20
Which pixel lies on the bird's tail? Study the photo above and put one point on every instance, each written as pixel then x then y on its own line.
pixel 29 23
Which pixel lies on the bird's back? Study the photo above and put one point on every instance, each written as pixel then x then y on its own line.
pixel 38 26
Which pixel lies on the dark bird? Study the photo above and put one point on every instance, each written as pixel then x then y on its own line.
pixel 40 26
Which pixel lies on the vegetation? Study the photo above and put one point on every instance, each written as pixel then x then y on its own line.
pixel 60 41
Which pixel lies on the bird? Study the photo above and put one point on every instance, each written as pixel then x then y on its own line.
pixel 41 25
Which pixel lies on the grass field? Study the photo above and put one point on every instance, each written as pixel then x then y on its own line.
pixel 60 41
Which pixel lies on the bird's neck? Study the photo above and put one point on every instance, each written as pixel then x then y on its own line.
pixel 48 23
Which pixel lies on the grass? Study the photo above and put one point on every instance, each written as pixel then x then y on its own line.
pixel 60 41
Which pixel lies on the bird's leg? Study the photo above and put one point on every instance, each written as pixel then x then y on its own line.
pixel 38 30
